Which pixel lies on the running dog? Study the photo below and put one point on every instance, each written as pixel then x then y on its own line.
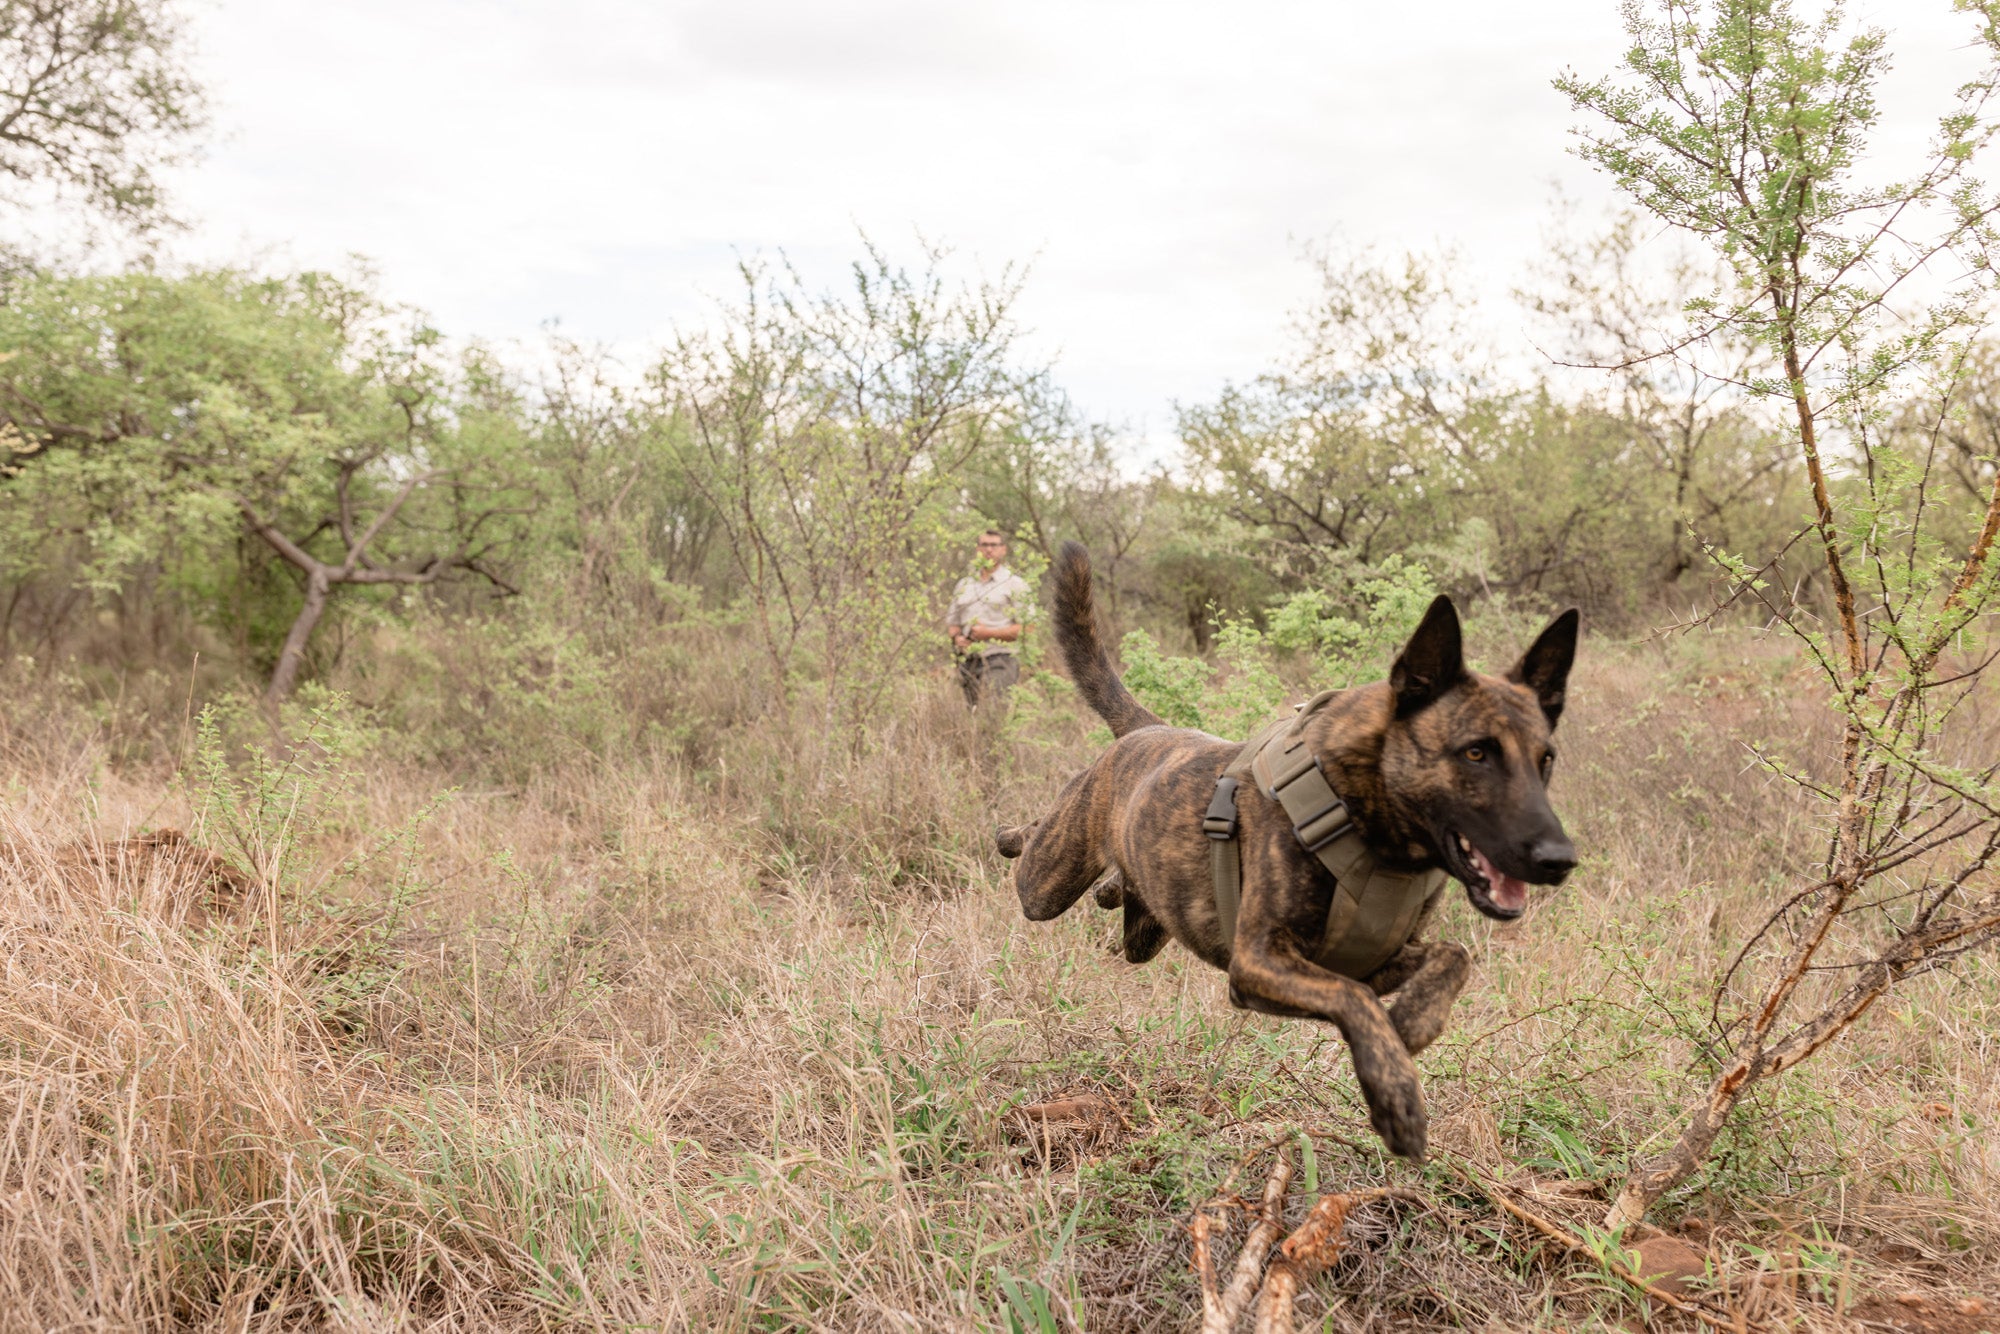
pixel 1439 768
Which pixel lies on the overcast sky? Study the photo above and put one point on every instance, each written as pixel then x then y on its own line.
pixel 602 162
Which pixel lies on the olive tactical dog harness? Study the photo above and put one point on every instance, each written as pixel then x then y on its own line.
pixel 1374 909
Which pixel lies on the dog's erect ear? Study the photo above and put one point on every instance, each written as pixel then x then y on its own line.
pixel 1432 662
pixel 1544 668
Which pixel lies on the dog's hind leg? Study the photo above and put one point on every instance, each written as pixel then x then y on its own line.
pixel 1063 855
pixel 1144 936
pixel 1426 977
pixel 1012 839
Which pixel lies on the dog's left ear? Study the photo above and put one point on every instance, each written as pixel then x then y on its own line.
pixel 1544 668
pixel 1432 662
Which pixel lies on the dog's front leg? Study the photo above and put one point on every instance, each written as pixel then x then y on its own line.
pixel 1426 977
pixel 1268 971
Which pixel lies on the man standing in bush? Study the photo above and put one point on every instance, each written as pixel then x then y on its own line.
pixel 987 610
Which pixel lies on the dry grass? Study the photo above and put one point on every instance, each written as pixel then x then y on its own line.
pixel 728 1038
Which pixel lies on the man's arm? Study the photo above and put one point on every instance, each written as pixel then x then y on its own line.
pixel 1019 600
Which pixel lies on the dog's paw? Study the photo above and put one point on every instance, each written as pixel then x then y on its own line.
pixel 1423 1005
pixel 1012 839
pixel 1397 1113
pixel 1420 1020
pixel 1395 1097
pixel 1144 937
pixel 1110 891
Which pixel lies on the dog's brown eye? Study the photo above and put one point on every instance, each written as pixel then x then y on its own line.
pixel 1477 754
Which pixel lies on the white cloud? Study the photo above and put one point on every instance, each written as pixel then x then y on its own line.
pixel 603 161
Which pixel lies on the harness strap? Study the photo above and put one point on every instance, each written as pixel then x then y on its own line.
pixel 1225 857
pixel 1373 909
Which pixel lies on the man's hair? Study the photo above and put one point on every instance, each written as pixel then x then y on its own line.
pixel 994 532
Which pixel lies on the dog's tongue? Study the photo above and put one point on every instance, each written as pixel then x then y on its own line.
pixel 1505 892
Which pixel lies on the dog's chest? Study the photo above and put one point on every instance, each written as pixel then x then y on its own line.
pixel 1373 913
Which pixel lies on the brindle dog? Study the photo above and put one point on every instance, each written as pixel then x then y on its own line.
pixel 1438 765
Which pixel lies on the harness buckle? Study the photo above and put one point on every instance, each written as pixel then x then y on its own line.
pixel 1298 761
pixel 1220 822
pixel 1325 827
pixel 1327 823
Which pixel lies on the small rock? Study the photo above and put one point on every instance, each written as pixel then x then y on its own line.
pixel 1668 1264
pixel 1914 1300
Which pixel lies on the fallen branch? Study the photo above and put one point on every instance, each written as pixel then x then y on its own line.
pixel 1311 1247
pixel 1315 1244
pixel 1569 1240
pixel 1219 1311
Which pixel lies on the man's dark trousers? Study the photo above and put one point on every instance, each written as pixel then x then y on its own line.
pixel 991 674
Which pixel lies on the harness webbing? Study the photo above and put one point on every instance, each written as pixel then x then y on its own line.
pixel 1374 909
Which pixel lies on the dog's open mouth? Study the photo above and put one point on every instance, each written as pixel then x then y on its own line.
pixel 1493 891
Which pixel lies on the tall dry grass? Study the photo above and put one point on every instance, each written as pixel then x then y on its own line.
pixel 723 1033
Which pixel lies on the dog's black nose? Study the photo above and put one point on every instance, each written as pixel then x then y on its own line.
pixel 1553 859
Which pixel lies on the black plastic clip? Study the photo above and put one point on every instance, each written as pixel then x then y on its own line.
pixel 1220 822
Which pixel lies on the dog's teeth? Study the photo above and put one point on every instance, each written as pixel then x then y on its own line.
pixel 1464 845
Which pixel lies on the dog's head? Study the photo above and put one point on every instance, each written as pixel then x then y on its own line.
pixel 1465 761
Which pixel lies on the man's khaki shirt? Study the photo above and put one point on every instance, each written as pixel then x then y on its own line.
pixel 1002 599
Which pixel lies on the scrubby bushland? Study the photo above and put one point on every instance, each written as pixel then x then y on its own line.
pixel 269 470
pixel 727 1030
pixel 584 910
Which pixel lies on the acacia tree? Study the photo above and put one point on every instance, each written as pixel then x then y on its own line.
pixel 1709 442
pixel 409 485
pixel 94 97
pixel 1052 475
pixel 1348 451
pixel 629 517
pixel 164 417
pixel 1744 123
pixel 1389 433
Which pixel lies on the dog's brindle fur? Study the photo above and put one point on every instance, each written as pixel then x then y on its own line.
pixel 1433 753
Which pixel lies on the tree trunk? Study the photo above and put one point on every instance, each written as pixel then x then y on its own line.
pixel 293 654
pixel 1829 531
pixel 1752 1060
pixel 1646 1183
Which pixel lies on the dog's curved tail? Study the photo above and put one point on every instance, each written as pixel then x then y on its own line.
pixel 1076 634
